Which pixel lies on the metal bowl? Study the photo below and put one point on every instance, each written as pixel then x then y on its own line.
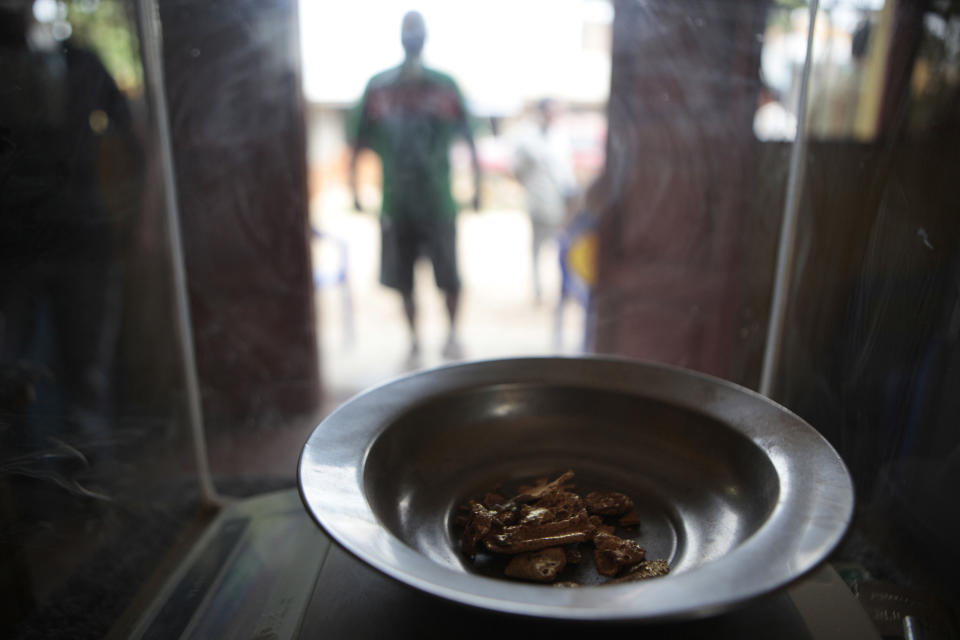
pixel 737 493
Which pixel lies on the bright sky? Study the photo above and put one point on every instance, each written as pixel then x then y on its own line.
pixel 502 52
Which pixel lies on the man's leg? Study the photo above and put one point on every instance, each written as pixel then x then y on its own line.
pixel 452 349
pixel 410 311
pixel 398 255
pixel 537 233
pixel 87 309
pixel 442 246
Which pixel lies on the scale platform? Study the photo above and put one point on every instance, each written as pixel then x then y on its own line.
pixel 263 570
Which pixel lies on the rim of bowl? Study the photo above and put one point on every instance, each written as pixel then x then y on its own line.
pixel 811 516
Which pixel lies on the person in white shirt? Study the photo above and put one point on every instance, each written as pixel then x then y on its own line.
pixel 543 164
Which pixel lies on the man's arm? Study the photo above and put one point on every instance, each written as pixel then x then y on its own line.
pixel 356 125
pixel 467 133
pixel 476 172
pixel 355 153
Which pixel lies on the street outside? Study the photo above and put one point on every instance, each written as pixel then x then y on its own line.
pixel 498 314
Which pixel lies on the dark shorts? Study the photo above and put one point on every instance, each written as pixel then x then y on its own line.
pixel 402 242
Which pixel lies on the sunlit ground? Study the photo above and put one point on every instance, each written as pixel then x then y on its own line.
pixel 498 318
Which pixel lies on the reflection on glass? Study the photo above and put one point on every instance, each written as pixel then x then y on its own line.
pixel 86 412
pixel 850 48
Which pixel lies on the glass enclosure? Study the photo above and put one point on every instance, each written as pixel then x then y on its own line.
pixel 219 220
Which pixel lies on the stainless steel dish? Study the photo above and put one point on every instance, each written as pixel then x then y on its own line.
pixel 740 495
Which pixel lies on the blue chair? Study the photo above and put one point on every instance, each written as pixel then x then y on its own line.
pixel 577 245
pixel 338 278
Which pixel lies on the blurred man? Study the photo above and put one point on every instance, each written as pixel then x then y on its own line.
pixel 409 116
pixel 68 194
pixel 543 165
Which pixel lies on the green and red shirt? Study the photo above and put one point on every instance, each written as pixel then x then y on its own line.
pixel 410 121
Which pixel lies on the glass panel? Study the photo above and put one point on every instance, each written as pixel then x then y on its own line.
pixel 96 471
pixel 870 355
pixel 527 176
